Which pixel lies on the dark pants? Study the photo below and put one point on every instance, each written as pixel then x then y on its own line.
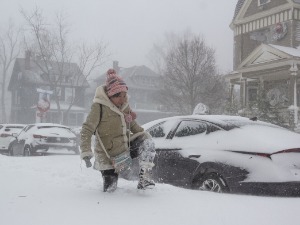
pixel 110 180
pixel 141 148
pixel 135 146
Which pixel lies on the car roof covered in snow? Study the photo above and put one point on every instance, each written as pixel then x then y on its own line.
pixel 221 120
pixel 48 125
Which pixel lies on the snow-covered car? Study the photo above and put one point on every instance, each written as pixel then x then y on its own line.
pixel 6 134
pixel 226 154
pixel 76 131
pixel 40 137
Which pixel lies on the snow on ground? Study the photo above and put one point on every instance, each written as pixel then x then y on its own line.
pixel 57 189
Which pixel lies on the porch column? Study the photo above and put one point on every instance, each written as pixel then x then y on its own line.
pixel 260 87
pixel 244 93
pixel 294 107
pixel 231 89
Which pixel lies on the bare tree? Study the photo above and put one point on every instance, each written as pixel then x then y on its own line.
pixel 9 51
pixel 188 69
pixel 53 49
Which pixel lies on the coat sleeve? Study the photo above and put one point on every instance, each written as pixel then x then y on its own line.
pixel 135 127
pixel 88 129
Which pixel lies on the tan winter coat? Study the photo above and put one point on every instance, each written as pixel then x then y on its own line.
pixel 112 130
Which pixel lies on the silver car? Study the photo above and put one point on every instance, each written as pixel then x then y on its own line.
pixel 6 134
pixel 40 137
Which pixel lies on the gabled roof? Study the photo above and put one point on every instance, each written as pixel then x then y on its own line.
pixel 269 53
pixel 288 50
pixel 266 57
pixel 238 7
pixel 135 77
pixel 140 77
pixel 34 74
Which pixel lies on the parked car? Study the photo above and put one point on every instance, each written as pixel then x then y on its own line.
pixel 76 131
pixel 40 137
pixel 225 154
pixel 6 134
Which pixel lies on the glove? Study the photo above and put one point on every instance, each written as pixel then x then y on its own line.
pixel 87 161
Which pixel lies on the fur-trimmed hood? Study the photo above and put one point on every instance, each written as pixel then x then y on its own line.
pixel 102 98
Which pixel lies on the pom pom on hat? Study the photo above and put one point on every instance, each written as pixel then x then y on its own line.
pixel 114 83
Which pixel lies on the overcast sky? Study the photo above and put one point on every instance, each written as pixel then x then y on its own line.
pixel 130 27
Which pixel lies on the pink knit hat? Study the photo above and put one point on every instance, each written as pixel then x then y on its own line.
pixel 114 83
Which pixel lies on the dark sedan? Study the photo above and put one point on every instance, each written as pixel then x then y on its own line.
pixel 226 154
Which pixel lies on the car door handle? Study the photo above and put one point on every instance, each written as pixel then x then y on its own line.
pixel 194 156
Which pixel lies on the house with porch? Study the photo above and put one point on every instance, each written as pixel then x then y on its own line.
pixel 267 55
pixel 62 88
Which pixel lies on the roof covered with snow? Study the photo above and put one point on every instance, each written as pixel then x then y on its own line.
pixel 291 51
pixel 134 77
pixel 140 76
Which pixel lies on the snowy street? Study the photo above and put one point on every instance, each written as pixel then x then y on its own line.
pixel 57 189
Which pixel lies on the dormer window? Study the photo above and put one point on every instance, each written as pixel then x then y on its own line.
pixel 262 2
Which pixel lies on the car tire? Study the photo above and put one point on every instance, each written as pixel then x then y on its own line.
pixel 27 151
pixel 211 182
pixel 10 151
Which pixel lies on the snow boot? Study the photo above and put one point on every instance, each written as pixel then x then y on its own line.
pixel 110 180
pixel 145 182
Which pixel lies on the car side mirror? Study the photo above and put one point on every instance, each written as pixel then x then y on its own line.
pixel 14 135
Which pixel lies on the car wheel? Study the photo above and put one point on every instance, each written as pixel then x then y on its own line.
pixel 212 182
pixel 10 151
pixel 27 151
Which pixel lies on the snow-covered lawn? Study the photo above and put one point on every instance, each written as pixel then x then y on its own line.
pixel 57 189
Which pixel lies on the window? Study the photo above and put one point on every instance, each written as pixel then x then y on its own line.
pixel 188 128
pixel 262 2
pixel 157 131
